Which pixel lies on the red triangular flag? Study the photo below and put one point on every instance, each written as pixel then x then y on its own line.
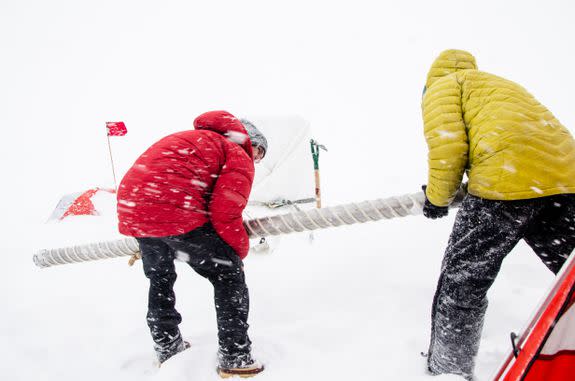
pixel 116 128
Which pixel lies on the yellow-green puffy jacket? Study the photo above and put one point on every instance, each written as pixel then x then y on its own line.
pixel 511 146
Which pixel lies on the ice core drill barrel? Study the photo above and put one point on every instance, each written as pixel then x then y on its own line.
pixel 303 220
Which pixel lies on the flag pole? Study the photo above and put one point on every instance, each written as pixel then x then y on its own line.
pixel 112 161
pixel 114 129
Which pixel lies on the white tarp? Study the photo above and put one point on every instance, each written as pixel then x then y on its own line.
pixel 287 170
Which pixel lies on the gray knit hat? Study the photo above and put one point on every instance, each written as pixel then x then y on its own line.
pixel 257 138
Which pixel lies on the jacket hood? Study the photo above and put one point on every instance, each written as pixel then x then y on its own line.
pixel 227 125
pixel 450 61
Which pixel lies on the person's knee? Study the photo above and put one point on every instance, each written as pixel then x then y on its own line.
pixel 464 294
pixel 232 277
pixel 159 271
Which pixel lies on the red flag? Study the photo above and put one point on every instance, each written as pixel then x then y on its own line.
pixel 116 128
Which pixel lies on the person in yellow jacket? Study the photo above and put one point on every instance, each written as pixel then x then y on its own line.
pixel 520 164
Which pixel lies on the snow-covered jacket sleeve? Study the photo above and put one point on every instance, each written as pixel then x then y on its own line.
pixel 446 138
pixel 229 198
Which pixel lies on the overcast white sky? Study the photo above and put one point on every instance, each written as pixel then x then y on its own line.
pixel 354 69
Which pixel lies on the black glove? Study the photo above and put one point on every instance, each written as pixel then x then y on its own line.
pixel 432 211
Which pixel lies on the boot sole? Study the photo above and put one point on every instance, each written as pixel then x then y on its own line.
pixel 242 373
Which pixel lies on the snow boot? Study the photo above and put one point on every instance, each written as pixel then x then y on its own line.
pixel 166 353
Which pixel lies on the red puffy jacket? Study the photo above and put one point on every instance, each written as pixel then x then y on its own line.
pixel 188 179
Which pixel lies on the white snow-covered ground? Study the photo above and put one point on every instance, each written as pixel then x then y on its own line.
pixel 355 303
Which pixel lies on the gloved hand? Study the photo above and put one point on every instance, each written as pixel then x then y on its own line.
pixel 134 258
pixel 432 211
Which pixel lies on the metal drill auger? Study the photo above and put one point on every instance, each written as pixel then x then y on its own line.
pixel 300 221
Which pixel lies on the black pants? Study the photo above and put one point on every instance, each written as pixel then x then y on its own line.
pixel 213 259
pixel 485 231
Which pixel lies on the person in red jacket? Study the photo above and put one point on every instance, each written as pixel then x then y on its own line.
pixel 183 199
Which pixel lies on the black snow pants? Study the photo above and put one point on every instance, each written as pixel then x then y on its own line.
pixel 485 231
pixel 213 259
